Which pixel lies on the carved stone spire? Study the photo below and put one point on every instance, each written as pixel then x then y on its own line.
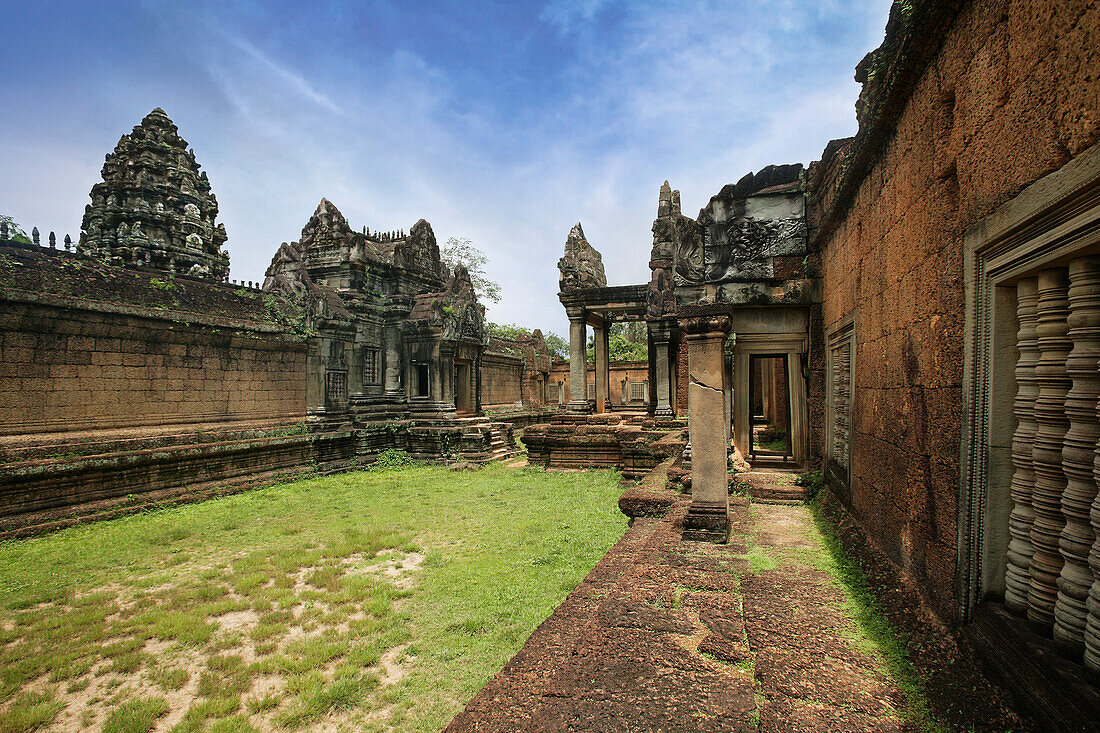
pixel 582 266
pixel 154 205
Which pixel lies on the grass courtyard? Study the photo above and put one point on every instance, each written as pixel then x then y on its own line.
pixel 374 600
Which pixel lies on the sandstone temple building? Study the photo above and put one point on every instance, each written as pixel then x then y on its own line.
pixel 916 314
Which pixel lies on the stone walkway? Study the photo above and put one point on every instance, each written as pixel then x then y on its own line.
pixel 666 635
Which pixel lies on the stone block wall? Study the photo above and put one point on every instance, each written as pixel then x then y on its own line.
pixel 1009 96
pixel 632 371
pixel 70 364
pixel 501 379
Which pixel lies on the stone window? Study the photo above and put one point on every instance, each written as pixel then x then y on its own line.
pixel 838 418
pixel 591 390
pixel 372 374
pixel 1030 421
pixel 637 391
pixel 336 387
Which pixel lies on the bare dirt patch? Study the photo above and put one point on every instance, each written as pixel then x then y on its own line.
pixel 141 663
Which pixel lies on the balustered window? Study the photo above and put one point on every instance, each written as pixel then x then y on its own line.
pixel 372 373
pixel 838 418
pixel 1029 509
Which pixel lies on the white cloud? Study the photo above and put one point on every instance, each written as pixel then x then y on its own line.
pixel 698 93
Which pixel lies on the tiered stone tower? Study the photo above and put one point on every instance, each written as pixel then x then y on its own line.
pixel 154 207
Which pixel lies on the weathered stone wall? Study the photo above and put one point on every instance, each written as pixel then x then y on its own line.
pixel 617 371
pixel 68 364
pixel 501 379
pixel 1010 95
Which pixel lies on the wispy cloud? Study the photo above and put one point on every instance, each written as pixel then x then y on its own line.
pixel 291 80
pixel 506 131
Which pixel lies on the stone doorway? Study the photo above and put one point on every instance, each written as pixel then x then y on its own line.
pixel 769 407
pixel 781 358
pixel 463 398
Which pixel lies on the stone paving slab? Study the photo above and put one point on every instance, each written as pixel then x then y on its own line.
pixel 667 635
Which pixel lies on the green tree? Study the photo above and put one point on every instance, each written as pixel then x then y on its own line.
pixel 627 341
pixel 556 344
pixel 15 232
pixel 461 251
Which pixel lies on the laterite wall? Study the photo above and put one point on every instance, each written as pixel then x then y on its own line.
pixel 1011 95
pixel 67 365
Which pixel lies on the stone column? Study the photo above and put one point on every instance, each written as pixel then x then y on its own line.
pixel 705 329
pixel 1078 454
pixel 578 361
pixel 1046 454
pixel 603 391
pixel 315 380
pixel 1020 550
pixel 662 378
pixel 392 364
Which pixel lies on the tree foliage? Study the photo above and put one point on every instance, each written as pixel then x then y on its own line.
pixel 627 341
pixel 461 251
pixel 556 344
pixel 15 232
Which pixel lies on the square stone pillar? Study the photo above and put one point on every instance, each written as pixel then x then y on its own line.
pixel 603 391
pixel 661 334
pixel 705 328
pixel 578 361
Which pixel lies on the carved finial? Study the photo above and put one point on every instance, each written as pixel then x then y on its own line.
pixel 664 201
pixel 53 241
pixel 34 235
pixel 68 243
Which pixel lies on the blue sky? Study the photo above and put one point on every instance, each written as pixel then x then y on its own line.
pixel 502 122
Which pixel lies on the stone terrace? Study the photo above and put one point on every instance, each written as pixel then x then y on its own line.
pixel 668 635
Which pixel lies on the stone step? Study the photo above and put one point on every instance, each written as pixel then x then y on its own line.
pixel 772 486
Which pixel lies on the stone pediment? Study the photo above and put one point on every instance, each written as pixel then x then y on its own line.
pixel 582 266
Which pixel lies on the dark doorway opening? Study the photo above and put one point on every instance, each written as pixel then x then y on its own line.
pixel 770 406
pixel 422 385
pixel 463 401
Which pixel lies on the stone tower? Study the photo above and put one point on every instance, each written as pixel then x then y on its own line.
pixel 154 207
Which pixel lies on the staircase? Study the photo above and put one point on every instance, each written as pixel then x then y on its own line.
pixel 498 442
pixel 476 431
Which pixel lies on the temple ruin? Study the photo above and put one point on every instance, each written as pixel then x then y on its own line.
pixel 154 207
pixel 136 375
pixel 916 314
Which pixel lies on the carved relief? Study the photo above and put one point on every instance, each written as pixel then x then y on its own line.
pixel 582 266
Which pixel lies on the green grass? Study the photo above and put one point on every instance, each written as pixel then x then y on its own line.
pixel 872 632
pixel 29 712
pixel 135 716
pixel 130 603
